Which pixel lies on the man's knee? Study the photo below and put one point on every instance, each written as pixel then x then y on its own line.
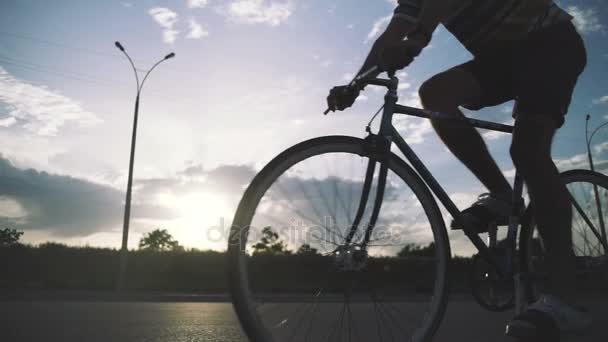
pixel 448 90
pixel 435 93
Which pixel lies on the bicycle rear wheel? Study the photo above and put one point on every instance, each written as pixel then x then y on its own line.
pixel 293 275
pixel 589 191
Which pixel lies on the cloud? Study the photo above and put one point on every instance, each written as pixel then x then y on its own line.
pixel 494 135
pixel 581 161
pixel 62 205
pixel 362 98
pixel 43 111
pixel 169 36
pixel 326 63
pixel 413 129
pixel 197 3
pixel 601 147
pixel 196 30
pixel 193 171
pixel 376 27
pixel 8 122
pixel 10 208
pixel 403 86
pixel 348 77
pixel 166 18
pixel 585 19
pixel 268 12
pixel 577 161
pixel 601 100
pixel 66 207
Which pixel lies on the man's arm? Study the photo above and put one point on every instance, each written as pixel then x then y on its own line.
pixel 430 16
pixel 395 32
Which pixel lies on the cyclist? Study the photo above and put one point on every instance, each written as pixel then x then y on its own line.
pixel 524 50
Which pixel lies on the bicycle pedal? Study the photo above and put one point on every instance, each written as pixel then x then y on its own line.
pixel 477 227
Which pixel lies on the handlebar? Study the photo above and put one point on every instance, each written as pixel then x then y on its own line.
pixel 359 81
pixel 368 78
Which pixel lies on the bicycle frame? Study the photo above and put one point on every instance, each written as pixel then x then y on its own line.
pixel 382 141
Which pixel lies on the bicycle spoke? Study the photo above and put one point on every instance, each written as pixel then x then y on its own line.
pixel 397 322
pixel 335 326
pixel 350 194
pixel 587 220
pixel 285 321
pixel 325 240
pixel 600 217
pixel 363 201
pixel 389 327
pixel 586 195
pixel 315 308
pixel 350 319
pixel 405 314
pixel 298 325
pixel 292 208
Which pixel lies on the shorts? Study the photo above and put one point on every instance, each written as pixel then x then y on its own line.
pixel 539 72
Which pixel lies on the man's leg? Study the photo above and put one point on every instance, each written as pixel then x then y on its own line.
pixel 444 93
pixel 553 312
pixel 531 153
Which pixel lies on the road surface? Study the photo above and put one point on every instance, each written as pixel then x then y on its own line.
pixel 67 321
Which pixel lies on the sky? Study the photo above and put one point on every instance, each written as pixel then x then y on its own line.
pixel 249 79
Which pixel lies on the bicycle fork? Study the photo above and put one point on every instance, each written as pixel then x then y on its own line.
pixel 379 149
pixel 379 146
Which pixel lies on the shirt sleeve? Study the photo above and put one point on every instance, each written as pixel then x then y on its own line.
pixel 408 10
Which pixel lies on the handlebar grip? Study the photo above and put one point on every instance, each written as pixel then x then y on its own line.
pixel 326 111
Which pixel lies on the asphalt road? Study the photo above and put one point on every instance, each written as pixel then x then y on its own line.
pixel 214 322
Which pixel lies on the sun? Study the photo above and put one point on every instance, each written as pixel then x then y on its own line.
pixel 201 219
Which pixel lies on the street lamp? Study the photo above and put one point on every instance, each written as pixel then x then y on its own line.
pixel 125 228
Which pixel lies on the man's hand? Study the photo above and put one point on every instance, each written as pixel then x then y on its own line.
pixel 341 97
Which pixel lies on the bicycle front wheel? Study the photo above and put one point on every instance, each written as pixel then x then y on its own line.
pixel 298 271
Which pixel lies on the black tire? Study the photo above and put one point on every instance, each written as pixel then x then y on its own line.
pixel 246 297
pixel 531 245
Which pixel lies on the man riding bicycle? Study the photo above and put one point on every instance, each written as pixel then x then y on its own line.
pixel 524 50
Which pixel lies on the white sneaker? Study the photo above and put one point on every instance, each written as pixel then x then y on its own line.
pixel 567 318
pixel 549 316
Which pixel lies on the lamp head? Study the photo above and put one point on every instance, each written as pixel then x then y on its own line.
pixel 119 46
pixel 171 55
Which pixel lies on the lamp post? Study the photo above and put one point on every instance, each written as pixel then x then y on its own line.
pixel 120 283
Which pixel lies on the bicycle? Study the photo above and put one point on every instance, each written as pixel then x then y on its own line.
pixel 311 258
